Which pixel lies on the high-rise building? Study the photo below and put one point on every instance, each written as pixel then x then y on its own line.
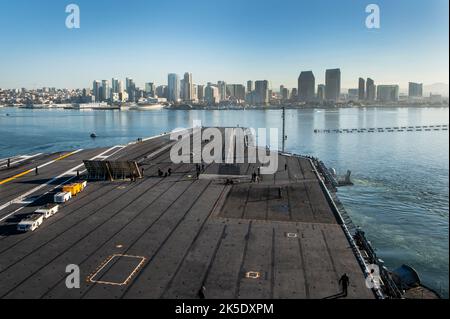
pixel 128 82
pixel 212 95
pixel 362 89
pixel 250 86
pixel 222 86
pixel 285 94
pixel 262 92
pixel 294 94
pixel 200 92
pixel 96 90
pixel 321 92
pixel 236 91
pixel 415 89
pixel 371 90
pixel 105 90
pixel 161 91
pixel 188 87
pixel 353 94
pixel 182 91
pixel 388 93
pixel 333 85
pixel 306 87
pixel 131 90
pixel 120 88
pixel 115 85
pixel 194 92
pixel 173 88
pixel 150 89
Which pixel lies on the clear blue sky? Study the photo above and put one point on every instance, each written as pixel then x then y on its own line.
pixel 233 40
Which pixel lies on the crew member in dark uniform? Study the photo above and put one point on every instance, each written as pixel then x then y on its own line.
pixel 345 282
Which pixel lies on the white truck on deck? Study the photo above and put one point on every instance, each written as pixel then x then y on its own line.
pixel 48 211
pixel 31 223
pixel 61 198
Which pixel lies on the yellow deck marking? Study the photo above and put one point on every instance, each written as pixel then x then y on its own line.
pixel 31 170
pixel 14 177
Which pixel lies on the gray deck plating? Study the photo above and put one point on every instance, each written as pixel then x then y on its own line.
pixel 187 232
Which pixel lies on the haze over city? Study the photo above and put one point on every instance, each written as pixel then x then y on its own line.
pixel 241 41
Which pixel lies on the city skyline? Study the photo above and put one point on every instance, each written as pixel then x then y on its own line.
pixel 185 90
pixel 412 44
pixel 115 81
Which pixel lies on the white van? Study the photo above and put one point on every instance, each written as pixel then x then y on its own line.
pixel 31 223
pixel 48 211
pixel 61 198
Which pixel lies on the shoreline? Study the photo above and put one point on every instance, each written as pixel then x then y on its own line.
pixel 228 108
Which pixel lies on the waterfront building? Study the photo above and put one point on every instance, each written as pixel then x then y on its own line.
pixel 236 91
pixel 212 95
pixel 182 90
pixel 161 91
pixel 106 91
pixel 388 93
pixel 294 94
pixel 173 88
pixel 120 87
pixel 200 92
pixel 362 89
pixel 250 86
pixel 222 86
pixel 194 93
pixel 285 94
pixel 188 87
pixel 131 90
pixel 353 94
pixel 306 87
pixel 321 92
pixel 114 85
pixel 150 89
pixel 96 88
pixel 370 90
pixel 415 89
pixel 333 85
pixel 262 92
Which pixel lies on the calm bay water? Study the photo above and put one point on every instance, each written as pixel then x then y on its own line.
pixel 401 192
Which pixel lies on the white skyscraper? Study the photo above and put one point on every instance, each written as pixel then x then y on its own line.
pixel 173 87
pixel 222 86
pixel 105 90
pixel 212 95
pixel 188 87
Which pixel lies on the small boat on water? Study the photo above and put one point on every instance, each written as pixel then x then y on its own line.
pixel 93 135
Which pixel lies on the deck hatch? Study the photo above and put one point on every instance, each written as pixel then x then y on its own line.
pixel 117 270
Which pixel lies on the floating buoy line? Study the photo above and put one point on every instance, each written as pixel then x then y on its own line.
pixel 425 128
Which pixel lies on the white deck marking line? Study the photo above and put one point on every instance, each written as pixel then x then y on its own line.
pixel 23 196
pixel 159 151
pixel 18 160
pixel 60 158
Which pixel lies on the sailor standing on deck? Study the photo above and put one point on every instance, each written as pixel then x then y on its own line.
pixel 345 282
